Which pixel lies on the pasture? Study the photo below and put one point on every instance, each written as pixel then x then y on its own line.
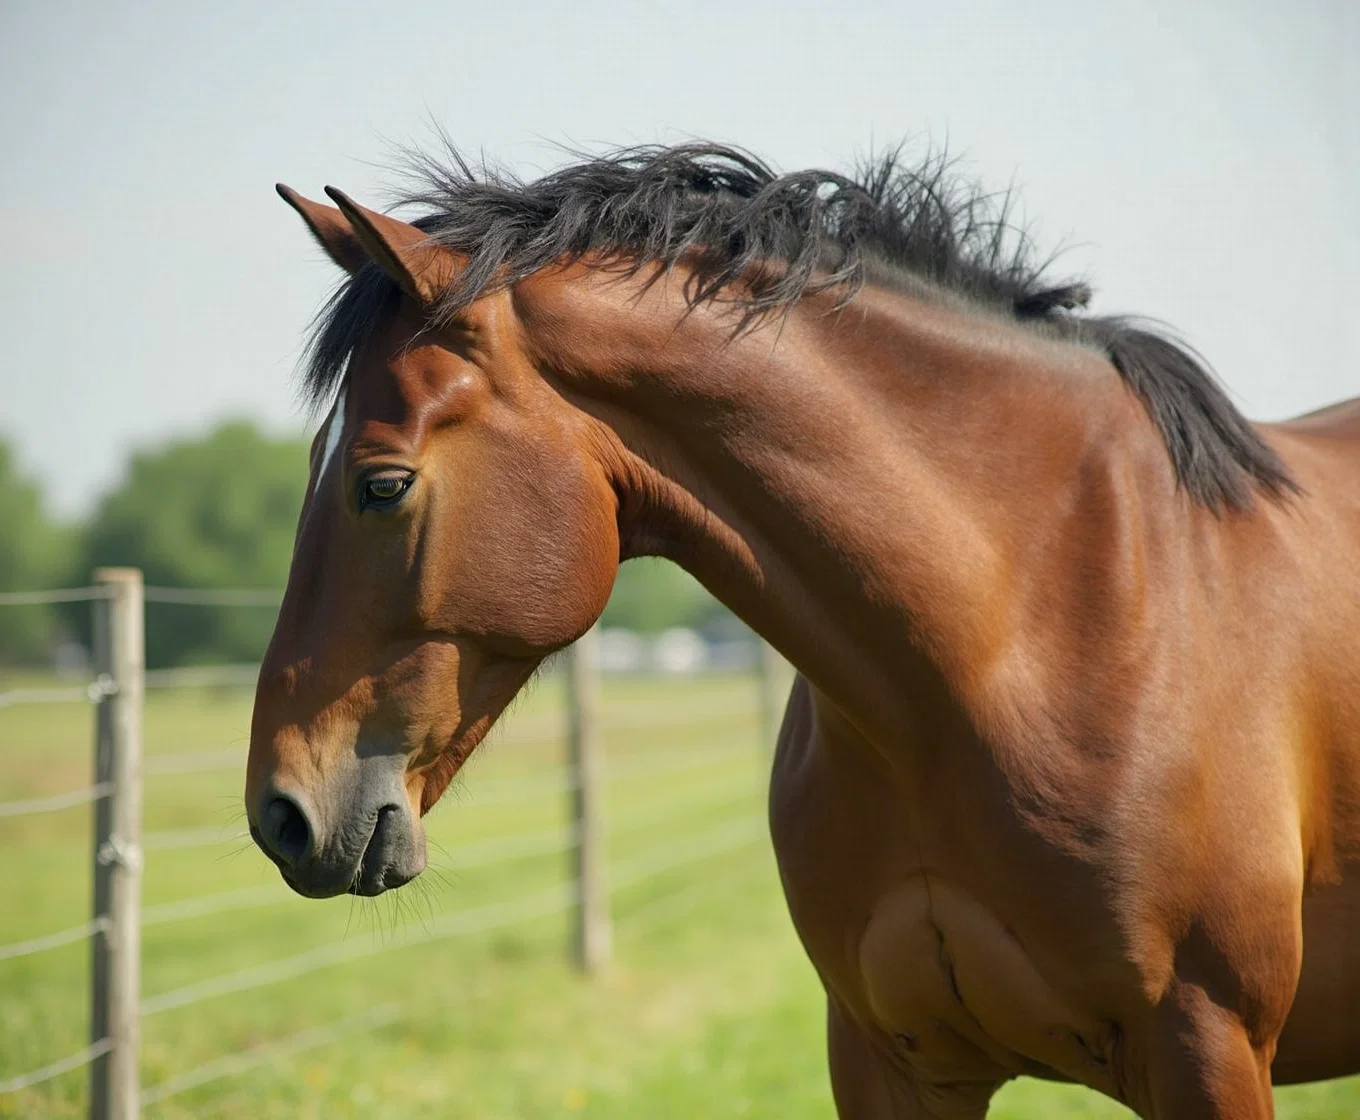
pixel 456 998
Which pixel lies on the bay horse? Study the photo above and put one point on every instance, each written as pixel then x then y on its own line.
pixel 1069 781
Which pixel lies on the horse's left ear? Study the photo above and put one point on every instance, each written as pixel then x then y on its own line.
pixel 405 253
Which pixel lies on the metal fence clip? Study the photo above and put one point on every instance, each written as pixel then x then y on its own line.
pixel 103 685
pixel 115 850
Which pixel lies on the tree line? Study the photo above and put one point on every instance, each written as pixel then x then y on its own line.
pixel 214 511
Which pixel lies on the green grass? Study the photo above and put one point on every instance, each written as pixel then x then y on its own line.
pixel 711 1009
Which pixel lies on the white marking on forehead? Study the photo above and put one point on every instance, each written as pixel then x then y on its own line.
pixel 337 426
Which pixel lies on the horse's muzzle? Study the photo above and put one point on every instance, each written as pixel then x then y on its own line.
pixel 364 841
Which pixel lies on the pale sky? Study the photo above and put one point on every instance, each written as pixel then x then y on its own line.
pixel 1199 157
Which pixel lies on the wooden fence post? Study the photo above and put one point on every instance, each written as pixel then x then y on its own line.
pixel 774 692
pixel 120 666
pixel 593 945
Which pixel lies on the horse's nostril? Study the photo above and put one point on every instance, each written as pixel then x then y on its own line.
pixel 384 822
pixel 286 831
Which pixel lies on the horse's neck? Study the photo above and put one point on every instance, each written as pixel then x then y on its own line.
pixel 858 487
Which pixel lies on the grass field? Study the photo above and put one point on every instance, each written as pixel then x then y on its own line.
pixel 456 1000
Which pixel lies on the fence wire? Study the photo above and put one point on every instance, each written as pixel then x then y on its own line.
pixel 53 940
pixel 203 676
pixel 194 597
pixel 504 791
pixel 487 791
pixel 62 694
pixel 196 762
pixel 471 793
pixel 57 801
pixel 669 857
pixel 60 595
pixel 678 903
pixel 216 903
pixel 665 810
pixel 171 839
pixel 64 1065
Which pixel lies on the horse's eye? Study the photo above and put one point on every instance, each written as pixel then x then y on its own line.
pixel 384 489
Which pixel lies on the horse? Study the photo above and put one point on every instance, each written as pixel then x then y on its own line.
pixel 1068 783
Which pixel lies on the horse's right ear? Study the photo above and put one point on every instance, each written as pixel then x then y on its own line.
pixel 330 228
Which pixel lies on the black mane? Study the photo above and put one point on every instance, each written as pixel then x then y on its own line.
pixel 733 217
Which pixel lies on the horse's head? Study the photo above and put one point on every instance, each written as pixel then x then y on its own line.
pixel 456 531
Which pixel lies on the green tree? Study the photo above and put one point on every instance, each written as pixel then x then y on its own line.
pixel 34 554
pixel 212 512
pixel 651 594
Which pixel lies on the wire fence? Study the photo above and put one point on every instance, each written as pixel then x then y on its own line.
pixel 732 825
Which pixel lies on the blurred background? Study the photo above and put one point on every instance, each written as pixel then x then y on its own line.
pixel 1198 161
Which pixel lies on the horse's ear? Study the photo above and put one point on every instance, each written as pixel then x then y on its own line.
pixel 401 250
pixel 330 228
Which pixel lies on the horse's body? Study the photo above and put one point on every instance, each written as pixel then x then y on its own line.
pixel 1064 876
pixel 1069 783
